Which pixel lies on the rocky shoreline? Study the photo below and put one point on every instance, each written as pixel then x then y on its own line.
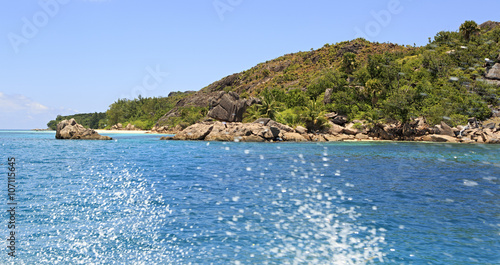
pixel 267 130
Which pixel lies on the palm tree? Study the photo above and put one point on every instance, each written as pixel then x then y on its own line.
pixel 314 116
pixel 468 28
pixel 269 107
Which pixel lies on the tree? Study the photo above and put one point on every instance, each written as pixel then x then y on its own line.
pixel 94 121
pixel 328 79
pixel 269 106
pixel 314 116
pixel 373 90
pixel 295 98
pixel 468 28
pixel 349 63
pixel 400 104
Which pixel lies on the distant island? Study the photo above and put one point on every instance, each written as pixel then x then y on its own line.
pixel 362 89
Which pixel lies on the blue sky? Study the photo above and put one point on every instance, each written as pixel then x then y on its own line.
pixel 76 56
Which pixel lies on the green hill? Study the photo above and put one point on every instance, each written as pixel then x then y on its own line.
pixel 377 82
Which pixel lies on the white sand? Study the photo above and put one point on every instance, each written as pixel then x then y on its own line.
pixel 120 131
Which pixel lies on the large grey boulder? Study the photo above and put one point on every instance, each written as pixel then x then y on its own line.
pixel 265 130
pixel 70 129
pixel 294 137
pixel 229 107
pixel 446 130
pixel 328 96
pixel 197 131
pixel 494 72
pixel 272 123
pixel 130 127
pixel 337 118
pixel 439 138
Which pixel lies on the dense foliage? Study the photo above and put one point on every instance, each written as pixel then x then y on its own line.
pixel 442 81
pixel 95 120
pixel 141 112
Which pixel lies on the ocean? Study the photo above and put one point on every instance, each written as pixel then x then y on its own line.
pixel 139 200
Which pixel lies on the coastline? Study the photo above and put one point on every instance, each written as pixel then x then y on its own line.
pixel 267 130
pixel 122 131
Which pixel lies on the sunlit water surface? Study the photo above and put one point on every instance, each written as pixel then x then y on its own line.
pixel 138 200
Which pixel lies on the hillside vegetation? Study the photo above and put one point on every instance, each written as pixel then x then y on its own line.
pixel 95 120
pixel 141 112
pixel 376 82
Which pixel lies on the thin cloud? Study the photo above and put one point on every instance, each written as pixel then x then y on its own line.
pixel 20 112
pixel 15 103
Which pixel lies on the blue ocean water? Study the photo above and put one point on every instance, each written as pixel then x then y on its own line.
pixel 139 200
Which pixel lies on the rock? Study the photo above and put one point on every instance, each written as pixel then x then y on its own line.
pixel 442 138
pixel 335 129
pixel 344 137
pixel 117 126
pixel 274 124
pixel 252 138
pixel 317 138
pixel 229 107
pixel 280 126
pixel 493 82
pixel 293 137
pixel 495 140
pixel 379 131
pixel 166 130
pixel 361 136
pixel 222 131
pixel 130 127
pixel 426 138
pixel 339 120
pixel 332 138
pixel 70 129
pixel 420 124
pixel 473 123
pixel 490 126
pixel 196 131
pixel 167 138
pixel 328 96
pixel 263 121
pixel 350 130
pixel 301 130
pixel 466 140
pixel 307 137
pixel 494 72
pixel 445 129
pixel 495 112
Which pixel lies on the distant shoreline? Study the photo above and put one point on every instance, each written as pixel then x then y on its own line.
pixel 100 131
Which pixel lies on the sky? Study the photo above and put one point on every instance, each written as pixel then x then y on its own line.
pixel 61 57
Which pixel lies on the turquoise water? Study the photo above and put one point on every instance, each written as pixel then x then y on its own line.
pixel 138 200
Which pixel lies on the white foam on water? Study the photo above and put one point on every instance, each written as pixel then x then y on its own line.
pixel 470 183
pixel 107 216
pixel 307 225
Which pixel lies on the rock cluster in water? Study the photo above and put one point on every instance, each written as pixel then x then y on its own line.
pixel 70 129
pixel 267 130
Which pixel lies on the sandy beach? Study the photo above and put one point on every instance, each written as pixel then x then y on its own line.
pixel 121 131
